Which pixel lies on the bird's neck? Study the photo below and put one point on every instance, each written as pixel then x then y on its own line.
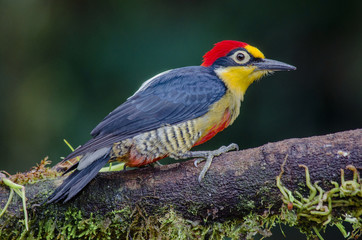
pixel 238 78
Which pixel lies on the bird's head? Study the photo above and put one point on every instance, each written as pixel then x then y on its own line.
pixel 239 64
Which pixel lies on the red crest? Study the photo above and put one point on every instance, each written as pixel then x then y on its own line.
pixel 221 49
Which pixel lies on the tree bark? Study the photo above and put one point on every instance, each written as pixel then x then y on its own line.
pixel 236 184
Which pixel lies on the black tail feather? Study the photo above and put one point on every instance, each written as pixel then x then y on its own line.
pixel 77 181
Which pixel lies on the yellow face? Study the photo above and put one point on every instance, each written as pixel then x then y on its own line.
pixel 239 78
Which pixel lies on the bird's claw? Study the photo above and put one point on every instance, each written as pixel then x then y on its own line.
pixel 206 167
pixel 230 147
pixel 198 161
pixel 225 149
pixel 209 156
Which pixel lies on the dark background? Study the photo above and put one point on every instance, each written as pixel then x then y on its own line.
pixel 64 65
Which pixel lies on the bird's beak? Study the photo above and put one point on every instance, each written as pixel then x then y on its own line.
pixel 272 65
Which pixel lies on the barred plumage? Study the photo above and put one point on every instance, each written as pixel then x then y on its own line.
pixel 172 141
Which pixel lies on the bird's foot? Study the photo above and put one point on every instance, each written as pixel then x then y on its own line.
pixel 208 156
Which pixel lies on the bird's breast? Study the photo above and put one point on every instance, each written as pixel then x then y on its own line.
pixel 214 129
pixel 221 114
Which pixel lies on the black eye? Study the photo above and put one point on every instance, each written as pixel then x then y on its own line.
pixel 240 57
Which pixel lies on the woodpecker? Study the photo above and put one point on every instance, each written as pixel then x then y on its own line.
pixel 171 113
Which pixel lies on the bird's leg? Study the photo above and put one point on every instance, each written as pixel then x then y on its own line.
pixel 208 157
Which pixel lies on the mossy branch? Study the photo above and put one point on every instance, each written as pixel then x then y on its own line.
pixel 296 181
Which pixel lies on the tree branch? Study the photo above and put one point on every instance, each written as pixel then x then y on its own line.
pixel 236 185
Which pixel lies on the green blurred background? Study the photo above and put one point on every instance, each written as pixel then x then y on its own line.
pixel 64 65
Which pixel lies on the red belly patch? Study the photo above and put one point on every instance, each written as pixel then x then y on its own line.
pixel 225 121
pixel 137 160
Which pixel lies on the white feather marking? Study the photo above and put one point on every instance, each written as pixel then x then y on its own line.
pixel 91 157
pixel 148 82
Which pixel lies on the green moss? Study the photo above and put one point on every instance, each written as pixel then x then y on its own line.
pixel 194 208
pixel 36 173
pixel 312 214
pixel 245 204
pixel 70 225
pixel 131 224
pixel 264 194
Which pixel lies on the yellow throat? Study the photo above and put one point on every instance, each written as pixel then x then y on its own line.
pixel 239 78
